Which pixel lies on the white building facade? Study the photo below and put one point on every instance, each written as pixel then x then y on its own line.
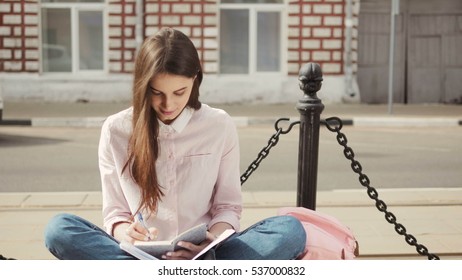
pixel 251 51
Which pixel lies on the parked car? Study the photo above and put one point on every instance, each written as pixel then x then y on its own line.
pixel 57 58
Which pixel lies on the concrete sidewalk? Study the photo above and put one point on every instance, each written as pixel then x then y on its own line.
pixel 432 216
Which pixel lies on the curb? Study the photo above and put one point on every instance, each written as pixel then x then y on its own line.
pixel 249 121
pixel 56 122
pixel 407 121
pixel 266 199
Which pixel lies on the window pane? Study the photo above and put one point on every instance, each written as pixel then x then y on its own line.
pixel 268 41
pixel 91 40
pixel 57 42
pixel 234 41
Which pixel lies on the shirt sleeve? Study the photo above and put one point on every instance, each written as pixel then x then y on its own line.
pixel 227 202
pixel 115 206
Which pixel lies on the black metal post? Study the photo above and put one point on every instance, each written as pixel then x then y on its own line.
pixel 310 108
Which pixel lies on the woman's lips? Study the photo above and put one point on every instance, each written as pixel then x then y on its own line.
pixel 168 113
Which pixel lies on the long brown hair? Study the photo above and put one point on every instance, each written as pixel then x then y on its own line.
pixel 169 51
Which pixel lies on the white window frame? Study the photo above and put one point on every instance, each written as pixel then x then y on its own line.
pixel 75 8
pixel 253 11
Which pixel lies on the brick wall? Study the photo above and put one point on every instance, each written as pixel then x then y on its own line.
pixel 19 42
pixel 316 33
pixel 122 36
pixel 196 18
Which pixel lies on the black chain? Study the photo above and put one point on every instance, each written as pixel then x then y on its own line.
pixel 274 139
pixel 335 124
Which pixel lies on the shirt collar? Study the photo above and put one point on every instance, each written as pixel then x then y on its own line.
pixel 180 122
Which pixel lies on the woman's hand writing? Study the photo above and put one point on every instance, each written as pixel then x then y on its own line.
pixel 135 231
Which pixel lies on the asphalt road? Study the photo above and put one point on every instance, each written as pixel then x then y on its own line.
pixel 43 159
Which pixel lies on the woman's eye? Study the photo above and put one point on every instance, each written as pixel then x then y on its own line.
pixel 179 93
pixel 156 93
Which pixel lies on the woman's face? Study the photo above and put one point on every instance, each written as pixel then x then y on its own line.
pixel 169 95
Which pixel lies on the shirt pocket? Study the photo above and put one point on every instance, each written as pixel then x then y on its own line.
pixel 196 174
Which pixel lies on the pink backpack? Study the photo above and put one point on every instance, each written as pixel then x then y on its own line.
pixel 326 237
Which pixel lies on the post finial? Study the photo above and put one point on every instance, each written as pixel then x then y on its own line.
pixel 310 78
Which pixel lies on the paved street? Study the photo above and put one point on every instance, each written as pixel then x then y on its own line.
pixel 43 159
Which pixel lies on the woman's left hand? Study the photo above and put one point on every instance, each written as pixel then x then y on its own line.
pixel 190 249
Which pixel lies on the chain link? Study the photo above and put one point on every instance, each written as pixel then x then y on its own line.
pixel 335 124
pixel 261 155
pixel 274 139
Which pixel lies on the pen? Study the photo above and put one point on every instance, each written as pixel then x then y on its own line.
pixel 141 220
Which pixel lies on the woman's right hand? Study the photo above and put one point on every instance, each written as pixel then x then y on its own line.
pixel 135 231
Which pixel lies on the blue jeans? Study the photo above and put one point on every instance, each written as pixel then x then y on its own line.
pixel 277 238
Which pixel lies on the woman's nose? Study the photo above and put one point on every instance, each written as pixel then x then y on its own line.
pixel 166 102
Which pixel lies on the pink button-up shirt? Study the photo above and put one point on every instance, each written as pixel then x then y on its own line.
pixel 198 170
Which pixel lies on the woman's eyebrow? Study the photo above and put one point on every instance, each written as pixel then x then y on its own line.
pixel 152 88
pixel 175 91
pixel 181 89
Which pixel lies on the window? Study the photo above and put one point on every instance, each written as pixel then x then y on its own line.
pixel 72 36
pixel 251 36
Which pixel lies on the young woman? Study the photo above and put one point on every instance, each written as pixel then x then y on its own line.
pixel 175 161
